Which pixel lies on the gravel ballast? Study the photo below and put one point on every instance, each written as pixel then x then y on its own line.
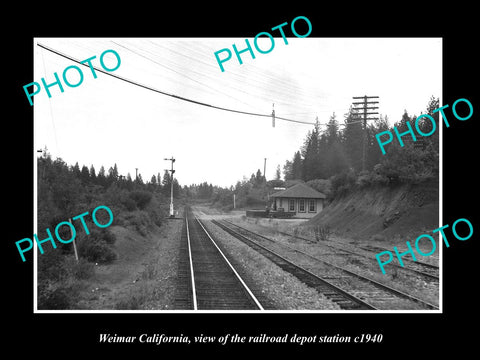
pixel 275 288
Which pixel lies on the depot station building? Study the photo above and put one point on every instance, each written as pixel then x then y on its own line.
pixel 300 201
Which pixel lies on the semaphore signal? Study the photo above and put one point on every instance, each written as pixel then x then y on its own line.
pixel 172 214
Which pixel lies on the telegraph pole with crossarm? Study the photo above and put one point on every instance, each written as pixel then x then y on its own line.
pixel 363 110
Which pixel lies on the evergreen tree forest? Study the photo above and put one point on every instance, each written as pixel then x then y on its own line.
pixel 336 152
pixel 331 159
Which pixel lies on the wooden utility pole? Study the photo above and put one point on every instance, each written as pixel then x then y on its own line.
pixel 363 110
pixel 74 245
pixel 273 115
pixel 264 169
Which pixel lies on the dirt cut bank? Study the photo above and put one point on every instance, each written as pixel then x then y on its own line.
pixel 383 212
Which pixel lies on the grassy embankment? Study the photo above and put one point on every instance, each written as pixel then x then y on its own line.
pixel 109 258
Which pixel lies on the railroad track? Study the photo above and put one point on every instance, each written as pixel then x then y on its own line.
pixel 344 299
pixel 376 295
pixel 418 267
pixel 206 279
pixel 427 271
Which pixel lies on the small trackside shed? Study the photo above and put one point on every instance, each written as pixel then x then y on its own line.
pixel 300 199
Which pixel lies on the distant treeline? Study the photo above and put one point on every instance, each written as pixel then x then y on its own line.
pixel 65 190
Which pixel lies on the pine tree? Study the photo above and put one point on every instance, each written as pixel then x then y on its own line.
pixel 426 126
pixel 432 143
pixel 353 140
pixel 101 178
pixel 287 170
pixel 129 182
pixel 93 175
pixel 310 152
pixel 278 173
pixel 252 179
pixel 65 187
pixel 85 175
pixel 336 161
pixel 402 124
pixel 297 166
pixel 76 170
pixel 374 154
pixel 167 180
pixel 323 153
pixel 259 178
pixel 332 132
pixel 153 180
pixel 112 175
pixel 139 180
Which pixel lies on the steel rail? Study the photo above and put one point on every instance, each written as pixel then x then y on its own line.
pixel 212 274
pixel 339 295
pixel 363 278
pixel 411 262
pixel 245 286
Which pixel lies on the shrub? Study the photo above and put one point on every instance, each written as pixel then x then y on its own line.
pixel 96 250
pixel 157 210
pixel 374 177
pixel 83 270
pixel 156 217
pixel 58 299
pixel 51 265
pixel 104 235
pixel 131 303
pixel 322 232
pixel 409 164
pixel 139 220
pixel 322 185
pixel 129 204
pixel 141 198
pixel 296 231
pixel 109 237
pixel 117 197
pixel 342 182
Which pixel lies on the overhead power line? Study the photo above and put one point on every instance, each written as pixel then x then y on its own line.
pixel 178 72
pixel 169 94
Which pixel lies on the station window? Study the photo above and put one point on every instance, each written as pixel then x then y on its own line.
pixel 301 205
pixel 291 205
pixel 311 205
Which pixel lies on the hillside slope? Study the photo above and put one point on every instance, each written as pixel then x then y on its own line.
pixel 388 212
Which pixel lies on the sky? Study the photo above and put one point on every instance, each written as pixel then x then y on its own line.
pixel 107 121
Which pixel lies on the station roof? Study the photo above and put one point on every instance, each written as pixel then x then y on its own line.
pixel 299 190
